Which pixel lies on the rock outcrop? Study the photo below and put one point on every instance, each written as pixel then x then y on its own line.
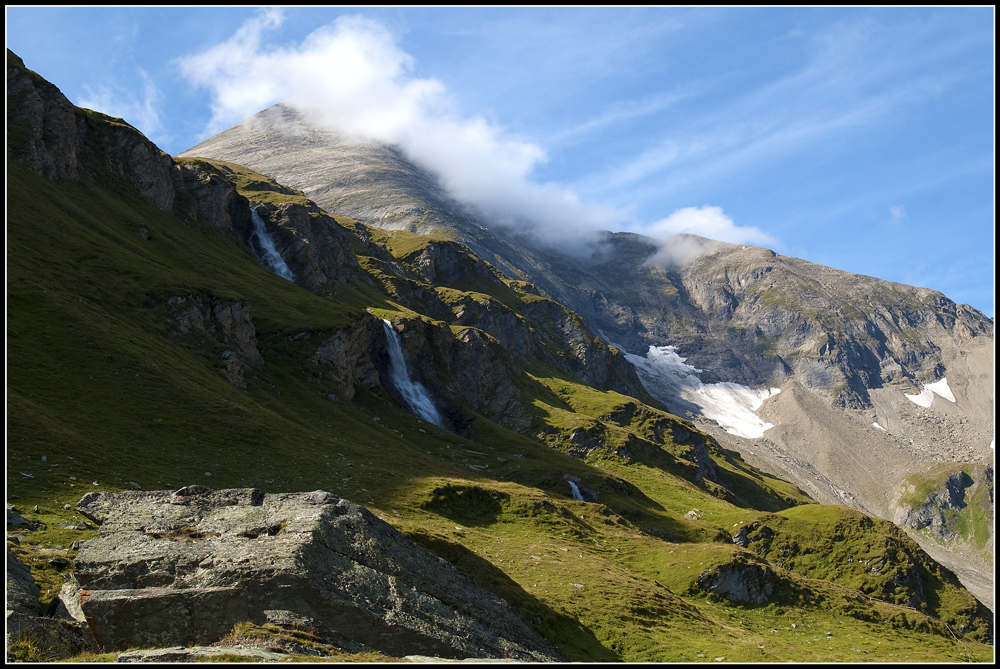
pixel 351 358
pixel 467 369
pixel 742 581
pixel 54 638
pixel 207 323
pixel 212 198
pixel 317 249
pixel 181 568
pixel 22 593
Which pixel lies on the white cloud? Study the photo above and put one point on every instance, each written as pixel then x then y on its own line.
pixel 897 212
pixel 141 110
pixel 353 77
pixel 710 222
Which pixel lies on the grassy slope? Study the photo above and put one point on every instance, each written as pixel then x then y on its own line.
pixel 97 387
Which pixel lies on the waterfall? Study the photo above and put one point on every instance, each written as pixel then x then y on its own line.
pixel 270 257
pixel 575 489
pixel 413 392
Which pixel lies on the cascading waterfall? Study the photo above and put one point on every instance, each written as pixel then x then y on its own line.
pixel 413 392
pixel 575 489
pixel 271 257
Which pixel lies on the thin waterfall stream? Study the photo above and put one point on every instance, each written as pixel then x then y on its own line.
pixel 271 258
pixel 413 392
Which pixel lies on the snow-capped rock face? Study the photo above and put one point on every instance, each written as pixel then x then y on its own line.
pixel 671 380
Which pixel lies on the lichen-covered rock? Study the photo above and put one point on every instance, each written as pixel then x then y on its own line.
pixel 183 567
pixel 200 654
pixel 22 593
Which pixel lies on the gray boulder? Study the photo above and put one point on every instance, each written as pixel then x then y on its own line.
pixel 22 593
pixel 181 568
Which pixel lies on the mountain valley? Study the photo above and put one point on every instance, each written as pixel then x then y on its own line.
pixel 153 346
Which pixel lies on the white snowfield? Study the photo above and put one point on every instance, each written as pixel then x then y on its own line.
pixel 926 396
pixel 879 427
pixel 675 383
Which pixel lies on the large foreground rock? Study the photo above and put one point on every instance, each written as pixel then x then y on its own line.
pixel 181 568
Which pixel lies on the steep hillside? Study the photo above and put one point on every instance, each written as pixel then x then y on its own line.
pixel 839 369
pixel 152 345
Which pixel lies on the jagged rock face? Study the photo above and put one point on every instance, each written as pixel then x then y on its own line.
pixel 315 247
pixel 49 145
pixel 215 200
pixel 53 138
pixel 205 321
pixel 464 369
pixel 181 568
pixel 352 358
pixel 450 264
pixel 864 331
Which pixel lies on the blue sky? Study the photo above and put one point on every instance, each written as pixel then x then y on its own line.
pixel 859 138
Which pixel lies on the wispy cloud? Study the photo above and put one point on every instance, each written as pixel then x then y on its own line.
pixel 616 115
pixel 897 213
pixel 709 222
pixel 140 108
pixel 352 76
pixel 857 74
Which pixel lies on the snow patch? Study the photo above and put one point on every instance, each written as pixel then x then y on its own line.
pixel 942 389
pixel 879 427
pixel 671 380
pixel 926 396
